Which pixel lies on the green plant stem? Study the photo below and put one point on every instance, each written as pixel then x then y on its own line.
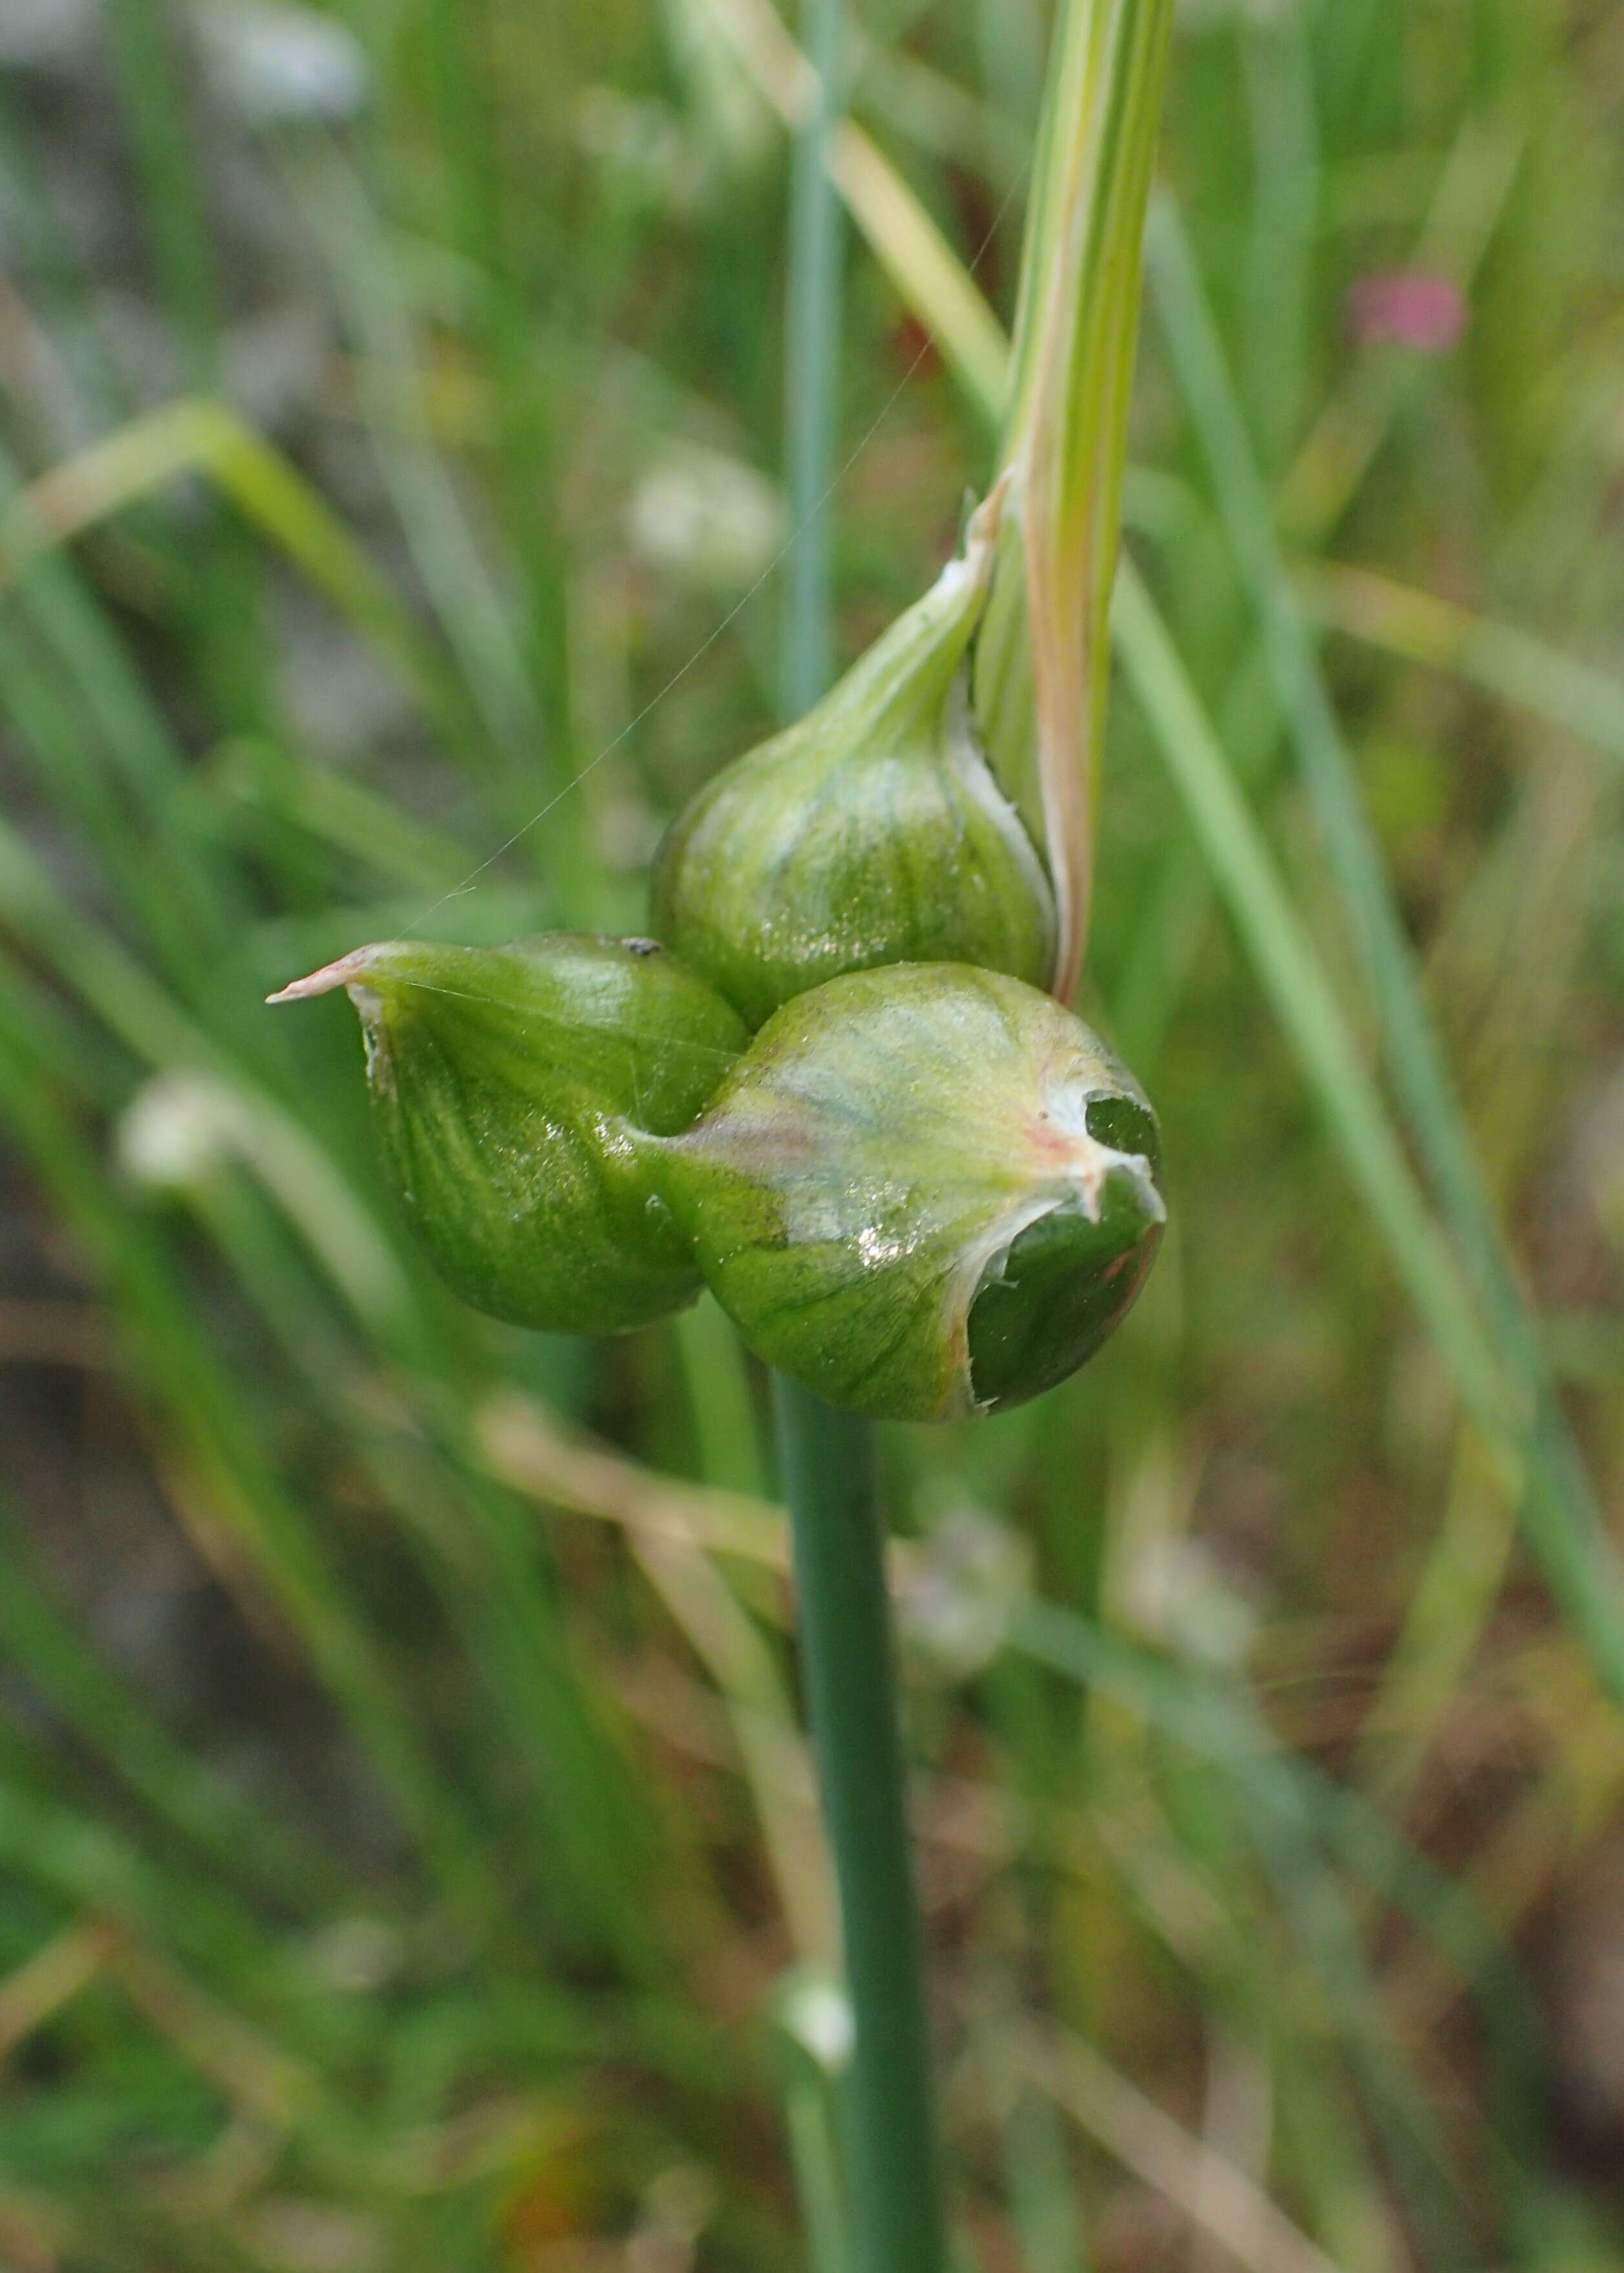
pixel 812 351
pixel 828 1458
pixel 832 1487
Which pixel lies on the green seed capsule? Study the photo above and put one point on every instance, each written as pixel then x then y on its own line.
pixel 872 832
pixel 519 1094
pixel 924 1192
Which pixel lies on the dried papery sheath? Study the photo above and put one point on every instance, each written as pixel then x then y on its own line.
pixel 871 832
pixel 924 1192
pixel 517 1093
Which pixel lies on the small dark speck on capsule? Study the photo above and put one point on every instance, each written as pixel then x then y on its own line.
pixel 643 946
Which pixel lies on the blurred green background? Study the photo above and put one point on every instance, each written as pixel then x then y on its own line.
pixel 406 1856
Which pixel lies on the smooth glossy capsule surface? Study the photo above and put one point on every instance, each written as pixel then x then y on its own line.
pixel 517 1093
pixel 870 832
pixel 925 1191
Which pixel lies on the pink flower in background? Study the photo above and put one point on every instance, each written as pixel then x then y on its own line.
pixel 1410 310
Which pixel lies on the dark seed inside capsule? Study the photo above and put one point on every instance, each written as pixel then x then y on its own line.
pixel 1067 1282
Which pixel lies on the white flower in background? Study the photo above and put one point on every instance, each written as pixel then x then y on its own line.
pixel 707 517
pixel 817 2013
pixel 733 121
pixel 955 1606
pixel 1178 1592
pixel 175 1132
pixel 280 65
pixel 45 35
pixel 356 1955
pixel 182 1126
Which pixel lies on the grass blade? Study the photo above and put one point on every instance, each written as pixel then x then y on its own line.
pixel 1561 1517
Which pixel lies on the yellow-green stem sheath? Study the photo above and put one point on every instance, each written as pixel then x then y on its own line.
pixel 893 2167
pixel 1043 669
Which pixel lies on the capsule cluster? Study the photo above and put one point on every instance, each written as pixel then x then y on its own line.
pixel 831 1088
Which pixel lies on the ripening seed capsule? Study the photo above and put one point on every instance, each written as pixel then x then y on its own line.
pixel 924 1192
pixel 871 832
pixel 516 1094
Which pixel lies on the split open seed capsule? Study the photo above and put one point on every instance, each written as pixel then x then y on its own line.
pixel 872 832
pixel 517 1093
pixel 924 1192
